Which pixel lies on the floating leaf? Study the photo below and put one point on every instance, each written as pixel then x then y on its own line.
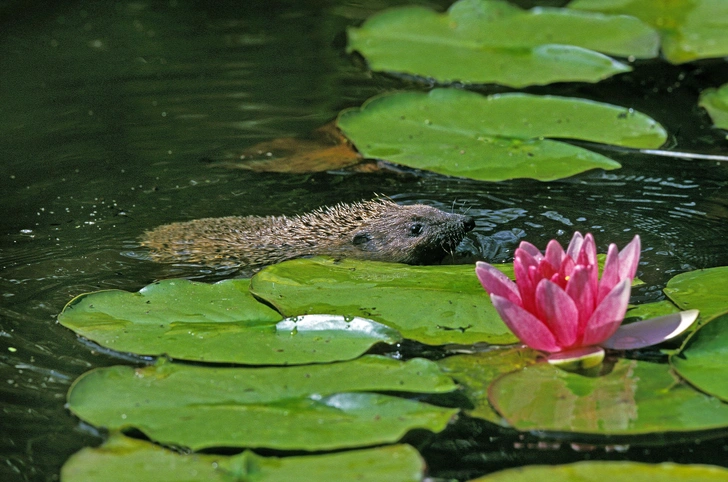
pixel 690 30
pixel 326 151
pixel 646 311
pixel 599 471
pixel 218 322
pixel 123 459
pixel 704 289
pixel 636 397
pixel 475 373
pixel 482 41
pixel 703 360
pixel 430 304
pixel 461 133
pixel 715 101
pixel 293 408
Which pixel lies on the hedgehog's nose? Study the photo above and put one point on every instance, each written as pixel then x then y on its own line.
pixel 468 223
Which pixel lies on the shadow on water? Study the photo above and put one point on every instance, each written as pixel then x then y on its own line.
pixel 108 110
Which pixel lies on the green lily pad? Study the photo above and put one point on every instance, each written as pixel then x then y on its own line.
pixel 124 459
pixel 483 41
pixel 646 311
pixel 430 304
pixel 636 397
pixel 703 360
pixel 219 322
pixel 293 408
pixel 690 30
pixel 704 289
pixel 475 373
pixel 493 138
pixel 599 471
pixel 715 101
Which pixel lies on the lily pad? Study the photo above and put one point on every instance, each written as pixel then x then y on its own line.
pixel 599 471
pixel 704 289
pixel 703 360
pixel 493 138
pixel 484 41
pixel 476 371
pixel 219 322
pixel 123 459
pixel 312 407
pixel 636 397
pixel 715 101
pixel 430 304
pixel 690 30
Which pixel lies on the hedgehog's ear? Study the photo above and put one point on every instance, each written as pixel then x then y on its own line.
pixel 361 239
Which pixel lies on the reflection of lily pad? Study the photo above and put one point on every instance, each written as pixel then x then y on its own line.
pixel 218 322
pixel 690 30
pixel 715 101
pixel 430 304
pixel 475 373
pixel 703 360
pixel 636 397
pixel 294 408
pixel 484 41
pixel 123 459
pixel 461 133
pixel 704 289
pixel 600 471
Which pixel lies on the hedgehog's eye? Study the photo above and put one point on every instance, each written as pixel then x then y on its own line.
pixel 415 229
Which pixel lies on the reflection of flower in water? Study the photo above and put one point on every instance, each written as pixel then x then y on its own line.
pixel 559 304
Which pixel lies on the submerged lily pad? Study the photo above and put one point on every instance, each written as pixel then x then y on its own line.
pixel 219 322
pixel 715 101
pixel 703 360
pixel 690 30
pixel 636 397
pixel 476 371
pixel 294 408
pixel 599 471
pixel 704 289
pixel 430 304
pixel 484 41
pixel 461 133
pixel 124 459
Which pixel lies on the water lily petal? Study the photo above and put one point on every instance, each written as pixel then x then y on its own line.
pixel 610 273
pixel 530 249
pixel 650 332
pixel 578 359
pixel 575 245
pixel 558 311
pixel 554 254
pixel 608 315
pixel 497 283
pixel 529 329
pixel 588 252
pixel 525 268
pixel 583 293
pixel 629 259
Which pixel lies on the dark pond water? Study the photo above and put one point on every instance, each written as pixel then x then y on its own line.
pixel 110 110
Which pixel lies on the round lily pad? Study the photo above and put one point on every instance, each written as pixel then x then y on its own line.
pixel 485 41
pixel 703 360
pixel 635 397
pixel 316 407
pixel 599 471
pixel 704 289
pixel 715 101
pixel 219 322
pixel 690 30
pixel 124 459
pixel 504 136
pixel 430 304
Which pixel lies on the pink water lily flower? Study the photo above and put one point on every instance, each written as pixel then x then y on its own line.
pixel 559 304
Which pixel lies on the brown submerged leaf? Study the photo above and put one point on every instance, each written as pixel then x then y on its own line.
pixel 328 150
